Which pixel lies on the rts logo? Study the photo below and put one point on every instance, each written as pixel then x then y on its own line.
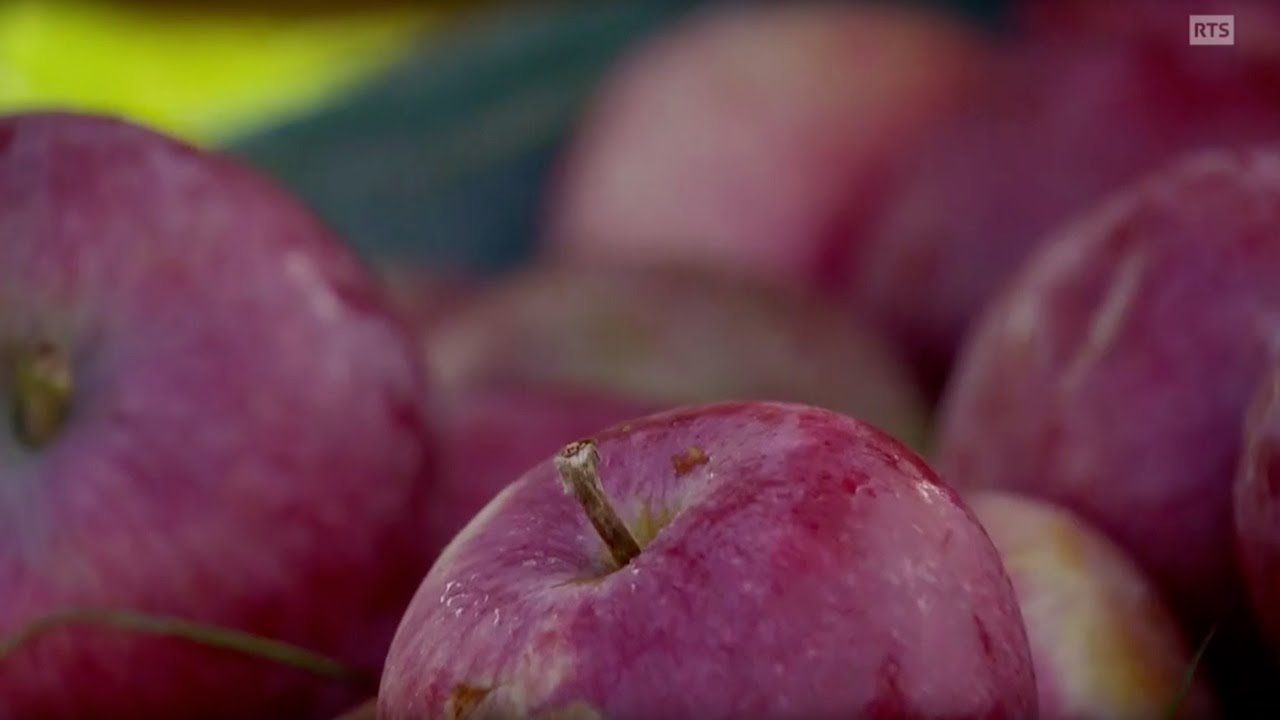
pixel 1213 29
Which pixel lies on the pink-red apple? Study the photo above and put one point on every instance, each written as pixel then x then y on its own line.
pixel 1257 507
pixel 209 415
pixel 1065 119
pixel 666 336
pixel 727 561
pixel 1113 374
pixel 1103 642
pixel 754 138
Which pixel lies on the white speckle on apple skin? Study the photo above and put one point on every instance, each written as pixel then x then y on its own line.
pixel 302 270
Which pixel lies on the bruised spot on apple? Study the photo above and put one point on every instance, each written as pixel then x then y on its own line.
pixel 684 464
pixel 464 699
pixel 811 567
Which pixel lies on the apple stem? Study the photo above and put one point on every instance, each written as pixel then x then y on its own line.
pixel 579 468
pixel 207 635
pixel 41 395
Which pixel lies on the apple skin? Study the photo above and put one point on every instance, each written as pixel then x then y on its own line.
pixel 1257 507
pixel 666 336
pixel 795 563
pixel 1113 374
pixel 1103 641
pixel 1064 119
pixel 490 435
pixel 754 139
pixel 246 447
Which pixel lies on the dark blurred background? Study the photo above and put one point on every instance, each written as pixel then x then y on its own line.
pixel 421 131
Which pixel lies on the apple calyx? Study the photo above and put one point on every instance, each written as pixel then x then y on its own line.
pixel 579 467
pixel 41 394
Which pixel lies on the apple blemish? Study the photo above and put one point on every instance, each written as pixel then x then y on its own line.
pixel 40 399
pixel 684 464
pixel 464 699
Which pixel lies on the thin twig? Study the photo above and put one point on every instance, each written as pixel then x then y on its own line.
pixel 212 636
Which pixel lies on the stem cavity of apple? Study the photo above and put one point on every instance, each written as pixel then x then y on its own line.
pixel 41 394
pixel 579 467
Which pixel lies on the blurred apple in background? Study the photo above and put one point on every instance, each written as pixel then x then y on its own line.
pixel 1113 374
pixel 1257 506
pixel 729 561
pixel 753 139
pixel 210 414
pixel 671 336
pixel 491 434
pixel 1067 116
pixel 425 296
pixel 523 365
pixel 1104 644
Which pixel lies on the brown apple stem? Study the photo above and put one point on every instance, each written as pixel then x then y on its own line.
pixel 212 636
pixel 41 395
pixel 579 468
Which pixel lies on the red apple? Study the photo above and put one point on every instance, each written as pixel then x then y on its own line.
pixel 754 139
pixel 741 560
pixel 664 337
pixel 1064 120
pixel 1113 374
pixel 1103 641
pixel 1257 507
pixel 210 415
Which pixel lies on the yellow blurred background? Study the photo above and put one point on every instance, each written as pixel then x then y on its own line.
pixel 205 73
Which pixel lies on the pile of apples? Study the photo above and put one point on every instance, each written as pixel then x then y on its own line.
pixel 873 366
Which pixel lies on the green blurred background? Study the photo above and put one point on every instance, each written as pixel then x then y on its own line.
pixel 420 131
